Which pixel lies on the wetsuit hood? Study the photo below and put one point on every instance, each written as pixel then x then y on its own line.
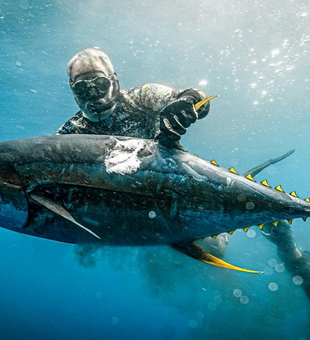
pixel 88 61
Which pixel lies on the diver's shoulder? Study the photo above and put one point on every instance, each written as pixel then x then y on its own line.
pixel 145 92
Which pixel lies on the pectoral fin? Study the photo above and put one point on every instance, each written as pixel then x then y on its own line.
pixel 199 254
pixel 59 210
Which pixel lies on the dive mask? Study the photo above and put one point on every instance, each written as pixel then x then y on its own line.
pixel 91 88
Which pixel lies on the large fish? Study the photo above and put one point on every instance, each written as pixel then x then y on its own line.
pixel 128 191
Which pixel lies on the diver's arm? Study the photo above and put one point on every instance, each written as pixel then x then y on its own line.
pixel 155 97
pixel 151 98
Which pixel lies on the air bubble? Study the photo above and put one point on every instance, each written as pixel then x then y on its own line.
pixel 217 299
pixel 298 280
pixel 251 233
pixel 152 214
pixel 268 271
pixel 280 268
pixel 272 262
pixel 250 205
pixel 212 306
pixel 273 286
pixel 244 299
pixel 237 293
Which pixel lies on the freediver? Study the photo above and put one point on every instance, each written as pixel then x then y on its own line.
pixel 148 111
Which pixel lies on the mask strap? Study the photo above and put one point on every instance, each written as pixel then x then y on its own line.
pixel 116 88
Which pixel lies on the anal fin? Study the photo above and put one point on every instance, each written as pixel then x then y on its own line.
pixel 59 210
pixel 199 254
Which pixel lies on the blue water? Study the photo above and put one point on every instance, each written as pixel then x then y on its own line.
pixel 256 56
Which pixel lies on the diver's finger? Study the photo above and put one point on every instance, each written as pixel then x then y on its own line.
pixel 168 130
pixel 173 123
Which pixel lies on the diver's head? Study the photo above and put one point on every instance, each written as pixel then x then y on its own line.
pixel 93 83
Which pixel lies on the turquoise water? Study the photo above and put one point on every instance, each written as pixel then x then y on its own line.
pixel 255 55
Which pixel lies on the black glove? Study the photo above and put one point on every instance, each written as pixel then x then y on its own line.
pixel 175 118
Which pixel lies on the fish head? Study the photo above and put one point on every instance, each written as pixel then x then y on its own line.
pixel 13 201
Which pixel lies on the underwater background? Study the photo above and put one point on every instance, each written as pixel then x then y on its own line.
pixel 255 55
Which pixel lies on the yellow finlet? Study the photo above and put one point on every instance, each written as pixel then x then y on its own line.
pixel 265 183
pixel 202 102
pixel 275 223
pixel 246 229
pixel 260 226
pixel 290 221
pixel 214 162
pixel 230 232
pixel 279 188
pixel 249 176
pixel 195 155
pixel 233 170
pixel 293 193
pixel 305 219
pixel 307 199
pixel 215 236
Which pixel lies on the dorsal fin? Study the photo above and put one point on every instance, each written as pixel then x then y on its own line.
pixel 59 210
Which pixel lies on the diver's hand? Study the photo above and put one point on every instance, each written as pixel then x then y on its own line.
pixel 175 118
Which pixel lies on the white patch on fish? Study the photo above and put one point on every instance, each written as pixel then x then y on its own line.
pixel 124 159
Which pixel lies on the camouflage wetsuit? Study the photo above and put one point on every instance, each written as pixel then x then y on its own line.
pixel 136 112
